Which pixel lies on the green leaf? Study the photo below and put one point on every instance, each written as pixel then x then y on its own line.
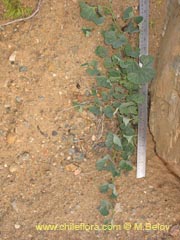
pixel 118 96
pixel 105 207
pixel 92 72
pixel 117 140
pixel 101 51
pixel 108 63
pixel 92 69
pixel 131 28
pixel 119 61
pixel 95 110
pixel 100 164
pixel 147 61
pixel 128 13
pixel 103 81
pixel 90 13
pixel 109 140
pixel 125 165
pixel 115 39
pixel 130 52
pixel 104 188
pixel 126 120
pixel 87 31
pixel 97 101
pixel 108 111
pixel 105 96
pixel 93 63
pixel 130 139
pixel 114 192
pixel 137 98
pixel 144 74
pixel 78 106
pixel 128 108
pixel 94 91
pixel 138 19
pixel 107 221
pixel 85 64
pixel 127 130
pixel 110 167
pixel 114 73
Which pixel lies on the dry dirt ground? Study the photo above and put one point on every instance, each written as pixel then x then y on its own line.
pixel 47 156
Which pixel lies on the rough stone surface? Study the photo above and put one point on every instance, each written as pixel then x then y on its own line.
pixel 165 93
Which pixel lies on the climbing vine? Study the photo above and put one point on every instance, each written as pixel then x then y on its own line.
pixel 116 94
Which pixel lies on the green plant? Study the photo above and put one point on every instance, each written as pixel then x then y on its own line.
pixel 14 9
pixel 116 94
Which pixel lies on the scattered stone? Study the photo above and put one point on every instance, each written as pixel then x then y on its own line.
pixel 17 226
pixel 14 206
pixel 71 167
pixel 118 208
pixel 41 97
pixel 77 171
pixel 54 133
pixel 11 138
pixel 18 99
pixel 175 231
pixel 78 86
pixel 23 69
pixel 79 156
pixel 93 138
pixel 71 151
pixel 24 156
pixel 12 57
pixel 87 93
pixel 74 49
pixel 13 168
pixel 2 132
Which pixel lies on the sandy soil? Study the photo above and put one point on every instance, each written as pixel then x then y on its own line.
pixel 47 152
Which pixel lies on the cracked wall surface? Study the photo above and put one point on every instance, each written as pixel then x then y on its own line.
pixel 165 92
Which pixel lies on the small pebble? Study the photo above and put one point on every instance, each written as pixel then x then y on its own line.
pixel 175 231
pixel 93 138
pixel 79 156
pixel 41 97
pixel 24 156
pixel 17 226
pixel 2 133
pixel 13 168
pixel 18 99
pixel 87 93
pixel 71 151
pixel 14 206
pixel 23 69
pixel 54 133
pixel 118 208
pixel 12 57
pixel 77 171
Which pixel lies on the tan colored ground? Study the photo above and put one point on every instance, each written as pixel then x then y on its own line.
pixel 41 135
